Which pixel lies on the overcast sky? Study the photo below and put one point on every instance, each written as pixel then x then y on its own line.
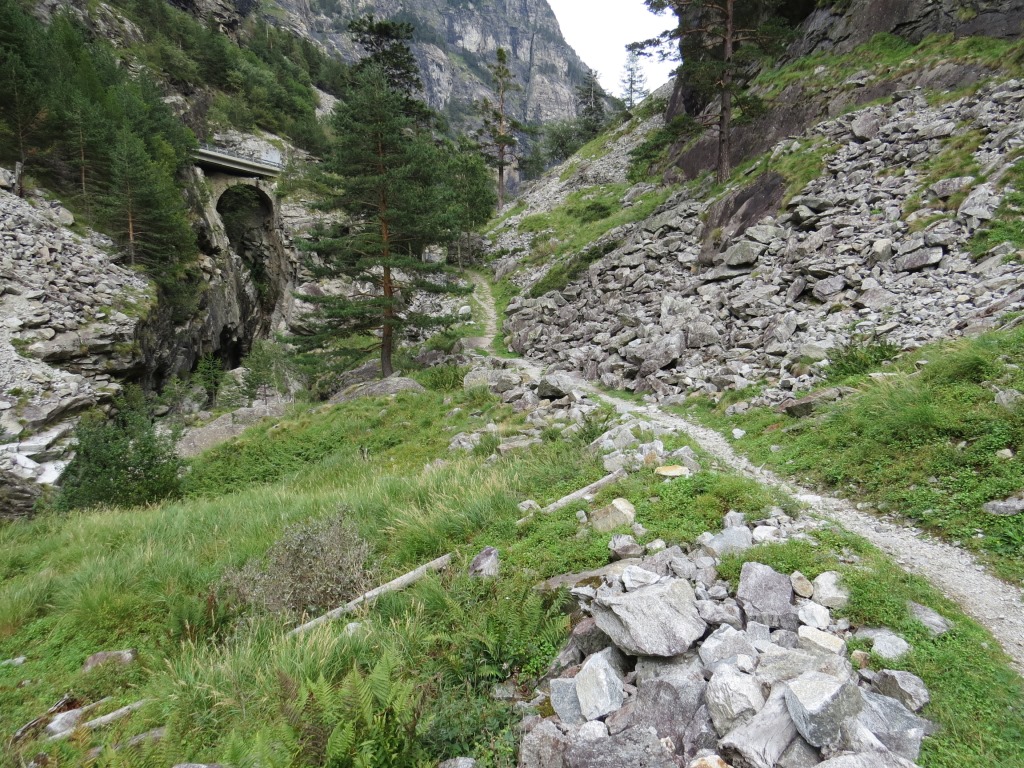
pixel 599 30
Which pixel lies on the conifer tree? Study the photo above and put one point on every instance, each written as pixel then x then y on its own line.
pixel 387 176
pixel 634 81
pixel 498 133
pixel 719 42
pixel 590 98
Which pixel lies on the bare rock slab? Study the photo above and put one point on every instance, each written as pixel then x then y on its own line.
pixel 934 622
pixel 819 705
pixel 766 596
pixel 661 620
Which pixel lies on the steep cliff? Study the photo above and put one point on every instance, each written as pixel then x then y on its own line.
pixel 455 40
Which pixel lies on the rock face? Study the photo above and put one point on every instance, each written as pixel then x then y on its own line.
pixel 456 41
pixel 860 20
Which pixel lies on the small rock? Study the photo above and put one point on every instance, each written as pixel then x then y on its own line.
pixel 486 564
pixel 633 578
pixel 827 591
pixel 733 698
pixel 815 640
pixel 103 657
pixel 884 642
pixel 623 545
pixel 814 615
pixel 801 584
pixel 565 702
pixel 619 513
pixel 738 433
pixel 766 596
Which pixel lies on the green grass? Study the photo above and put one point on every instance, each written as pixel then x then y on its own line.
pixel 589 213
pixel 148 578
pixel 888 56
pixel 1008 225
pixel 503 292
pixel 230 687
pixel 920 444
pixel 975 698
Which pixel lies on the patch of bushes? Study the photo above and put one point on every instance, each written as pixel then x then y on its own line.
pixel 122 461
pixel 564 272
pixel 858 356
pixel 313 567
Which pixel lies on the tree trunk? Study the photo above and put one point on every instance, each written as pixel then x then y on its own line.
pixel 725 118
pixel 387 332
pixel 501 185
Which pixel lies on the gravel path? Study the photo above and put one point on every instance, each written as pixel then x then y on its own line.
pixel 485 301
pixel 991 602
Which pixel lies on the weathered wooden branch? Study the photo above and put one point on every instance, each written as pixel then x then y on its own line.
pixel 100 722
pixel 614 477
pixel 64 704
pixel 392 586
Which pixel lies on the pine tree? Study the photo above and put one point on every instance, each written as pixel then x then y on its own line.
pixel 387 176
pixel 386 43
pixel 634 81
pixel 468 196
pixel 719 42
pixel 590 98
pixel 498 132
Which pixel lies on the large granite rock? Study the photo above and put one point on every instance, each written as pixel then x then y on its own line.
pixel 661 620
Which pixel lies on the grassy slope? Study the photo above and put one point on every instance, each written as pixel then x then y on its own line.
pixel 921 442
pixel 235 690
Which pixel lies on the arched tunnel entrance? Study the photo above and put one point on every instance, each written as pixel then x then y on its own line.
pixel 247 214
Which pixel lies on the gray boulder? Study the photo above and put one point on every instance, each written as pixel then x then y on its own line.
pixel 892 724
pixel 828 592
pixel 622 546
pixel 635 747
pixel 725 643
pixel 661 620
pixel 674 706
pixel 763 739
pixel 599 686
pixel 733 698
pixel 553 386
pixel 565 702
pixel 766 596
pixel 819 705
pixel 905 687
pixel 543 747
pixel 884 642
pixel 741 254
pixel 615 515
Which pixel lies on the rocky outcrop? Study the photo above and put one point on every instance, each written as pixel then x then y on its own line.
pixel 455 42
pixel 761 680
pixel 843 259
pixel 843 26
pixel 70 324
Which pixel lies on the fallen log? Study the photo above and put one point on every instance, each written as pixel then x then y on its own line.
pixel 66 702
pixel 392 586
pixel 135 741
pixel 614 477
pixel 100 722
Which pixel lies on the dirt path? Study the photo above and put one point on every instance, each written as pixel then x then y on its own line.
pixel 993 603
pixel 484 299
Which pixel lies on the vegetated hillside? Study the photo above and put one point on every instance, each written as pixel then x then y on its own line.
pixel 896 221
pixel 424 675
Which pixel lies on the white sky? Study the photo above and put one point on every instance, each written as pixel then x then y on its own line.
pixel 599 30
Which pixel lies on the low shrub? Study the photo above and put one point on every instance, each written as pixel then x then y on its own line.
pixel 313 567
pixel 123 461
